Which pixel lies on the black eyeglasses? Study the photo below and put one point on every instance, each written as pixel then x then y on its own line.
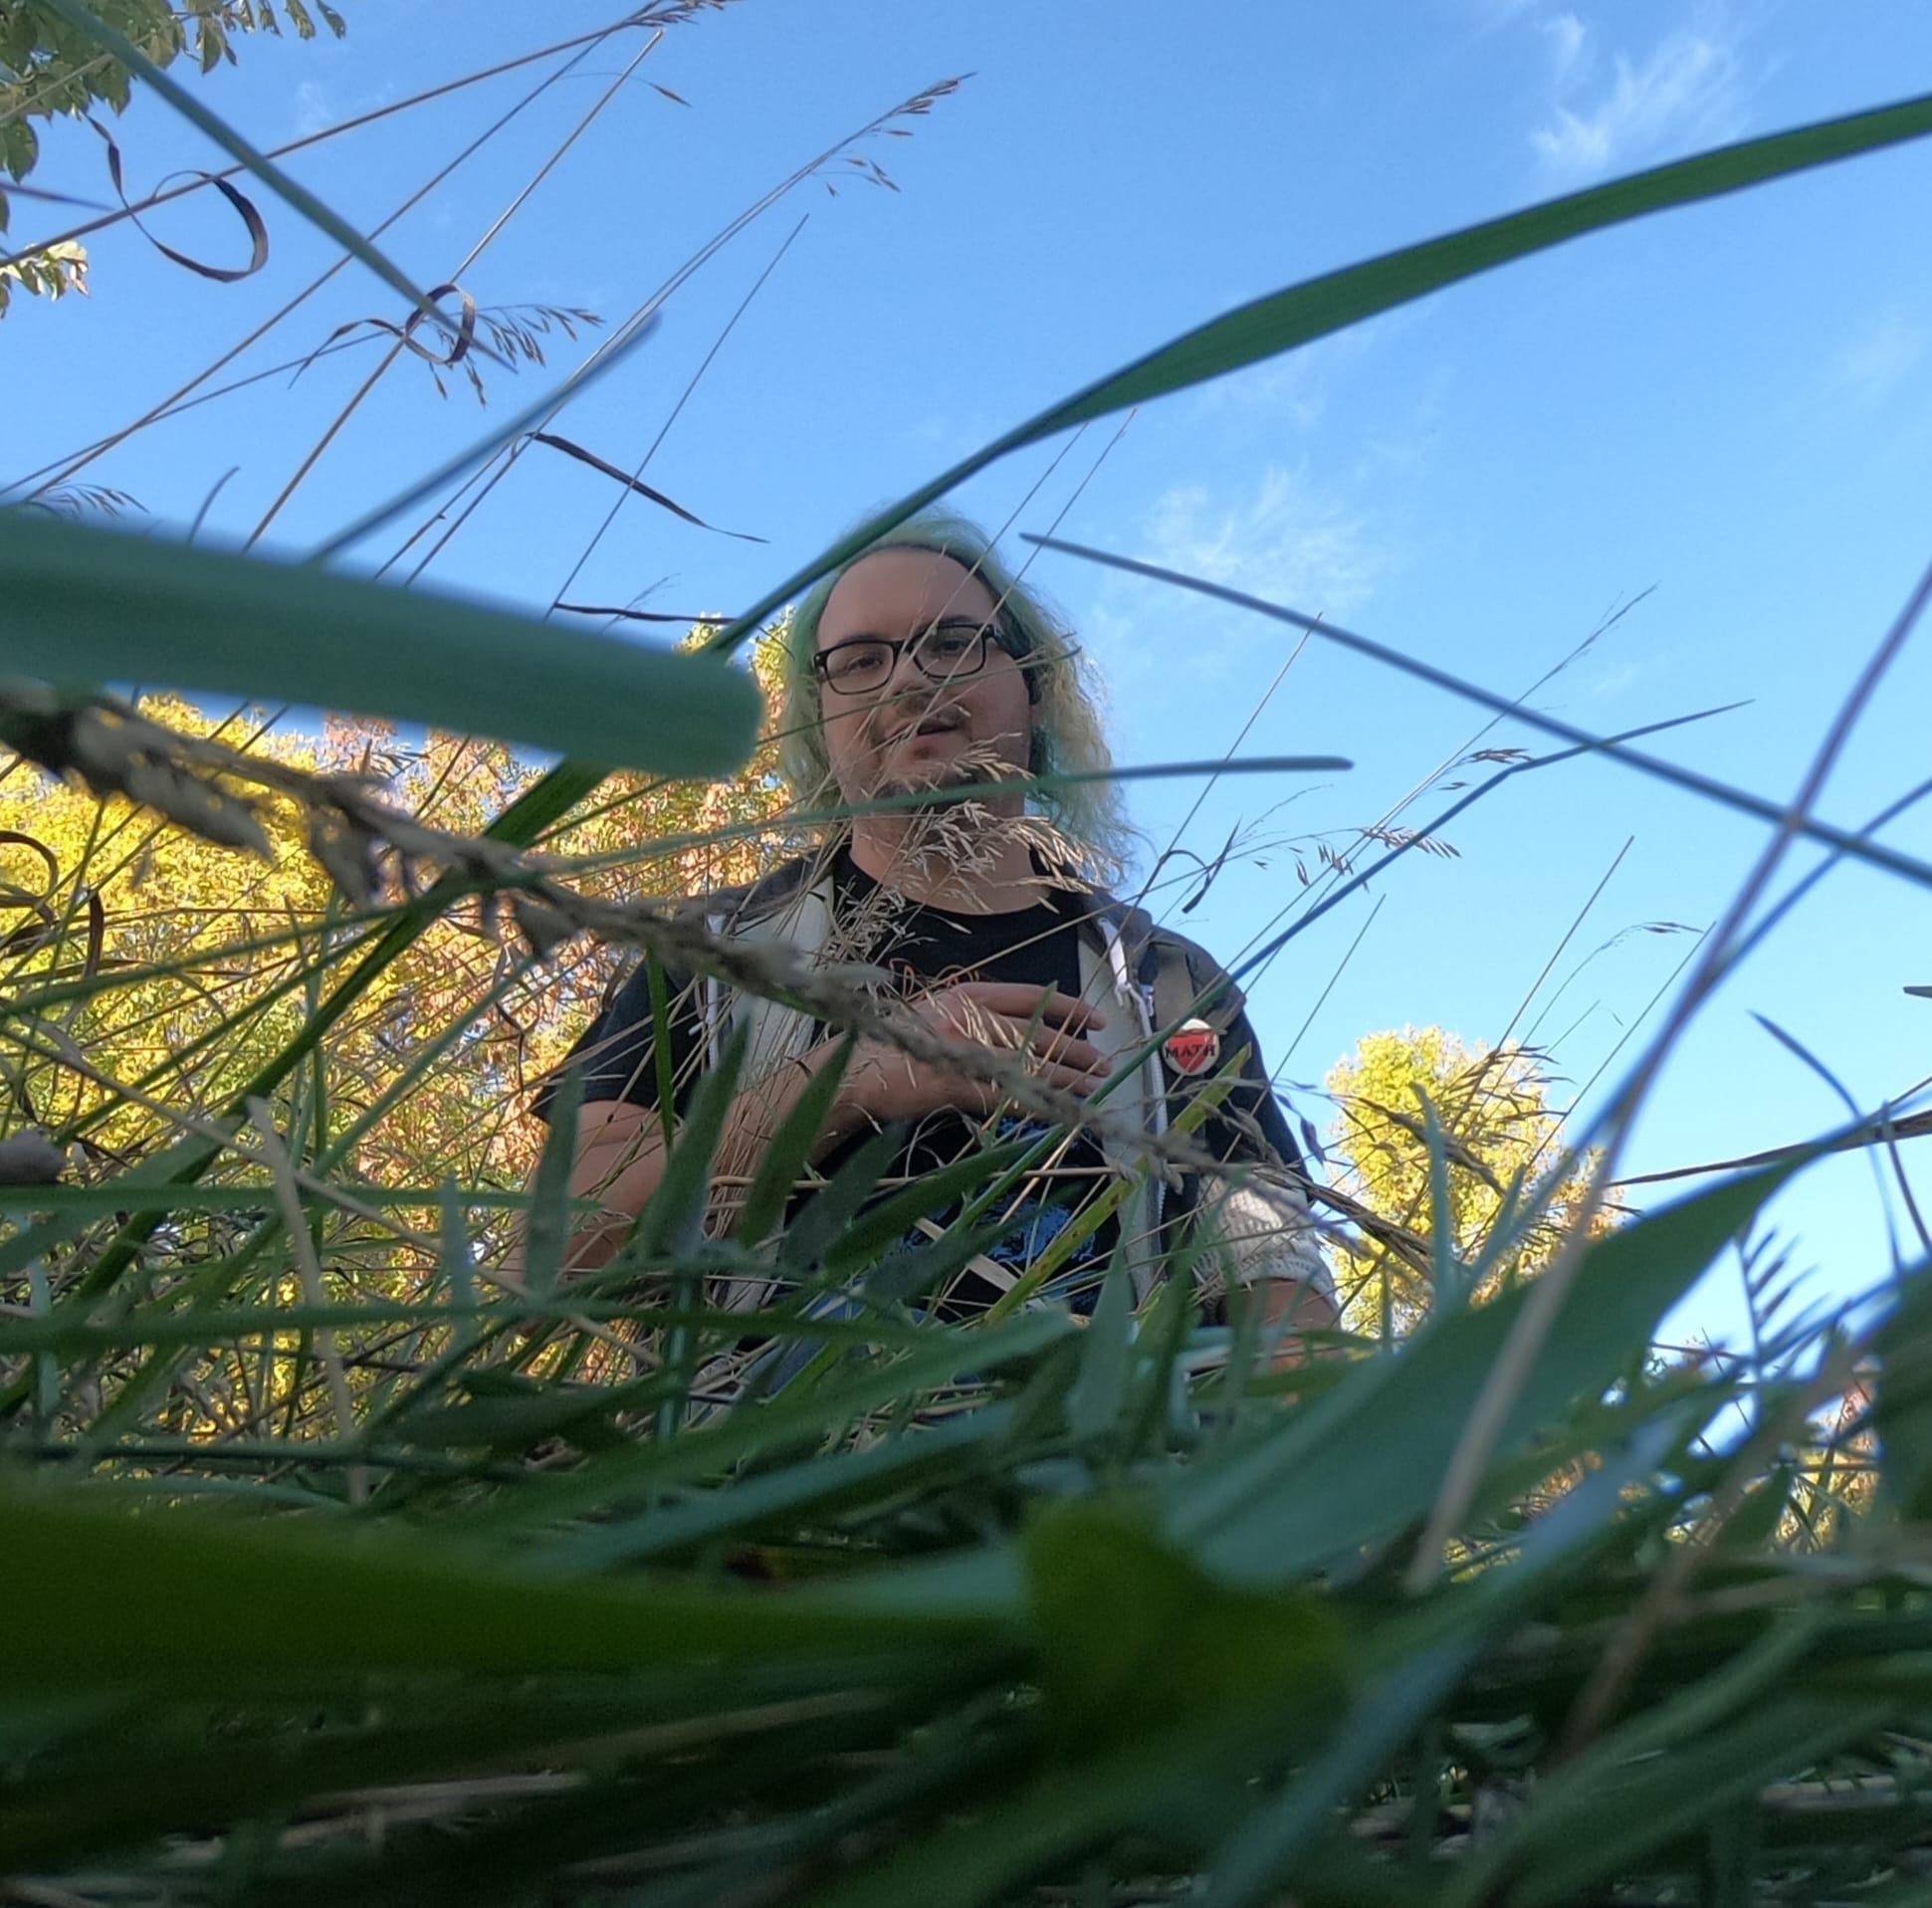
pixel 943 652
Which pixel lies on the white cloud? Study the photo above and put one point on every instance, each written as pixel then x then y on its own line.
pixel 1295 388
pixel 1566 35
pixel 313 111
pixel 318 106
pixel 1690 87
pixel 1286 541
pixel 1491 14
pixel 1881 358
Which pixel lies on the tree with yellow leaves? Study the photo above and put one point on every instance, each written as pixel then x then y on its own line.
pixel 1496 1133
pixel 156 972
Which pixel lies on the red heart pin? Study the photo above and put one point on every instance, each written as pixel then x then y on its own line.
pixel 1192 1047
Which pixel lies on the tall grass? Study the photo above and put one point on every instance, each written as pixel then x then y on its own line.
pixel 345 1570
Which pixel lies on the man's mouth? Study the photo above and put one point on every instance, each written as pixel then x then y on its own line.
pixel 938 722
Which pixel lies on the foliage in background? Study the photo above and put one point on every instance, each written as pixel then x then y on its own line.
pixel 187 970
pixel 50 273
pixel 1496 1133
pixel 49 71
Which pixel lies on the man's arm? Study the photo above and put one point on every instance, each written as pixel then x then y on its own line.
pixel 621 1155
pixel 1283 1251
pixel 1298 1307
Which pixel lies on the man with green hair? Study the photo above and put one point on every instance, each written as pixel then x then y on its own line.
pixel 922 668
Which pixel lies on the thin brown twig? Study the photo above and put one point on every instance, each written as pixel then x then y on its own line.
pixel 402 340
pixel 48 476
pixel 640 17
pixel 498 467
pixel 1914 1126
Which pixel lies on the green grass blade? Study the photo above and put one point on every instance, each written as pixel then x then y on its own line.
pixel 815 1491
pixel 794 1418
pixel 519 1420
pixel 1330 303
pixel 546 802
pixel 139 1785
pixel 1249 1868
pixel 1275 1839
pixel 1099 1390
pixel 789 1153
pixel 667 1090
pixel 1368 1456
pixel 1670 1797
pixel 907 1275
pixel 93 605
pixel 673 1219
pixel 822 1222
pixel 887 1223
pixel 128 1602
pixel 1449 1278
pixel 547 1228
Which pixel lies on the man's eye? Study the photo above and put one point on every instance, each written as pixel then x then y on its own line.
pixel 851 663
pixel 950 645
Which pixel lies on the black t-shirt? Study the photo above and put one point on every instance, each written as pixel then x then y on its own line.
pixel 922 947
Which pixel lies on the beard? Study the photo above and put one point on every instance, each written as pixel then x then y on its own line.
pixel 976 768
pixel 931 780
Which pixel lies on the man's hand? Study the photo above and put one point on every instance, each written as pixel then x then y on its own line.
pixel 883 1084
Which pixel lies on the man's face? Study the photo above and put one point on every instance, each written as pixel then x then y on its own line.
pixel 906 730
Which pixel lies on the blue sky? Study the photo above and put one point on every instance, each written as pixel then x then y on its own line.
pixel 1730 408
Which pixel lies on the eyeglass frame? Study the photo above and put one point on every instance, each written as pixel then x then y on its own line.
pixel 993 630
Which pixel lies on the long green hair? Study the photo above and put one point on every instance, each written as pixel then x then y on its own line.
pixel 1067 734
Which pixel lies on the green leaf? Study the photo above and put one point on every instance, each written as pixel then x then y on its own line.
pixel 1663 1796
pixel 673 1220
pixel 789 1153
pixel 520 1421
pixel 825 1217
pixel 791 1420
pixel 1425 1658
pixel 1449 1278
pixel 906 1275
pixel 667 1089
pixel 139 1784
pixel 547 1226
pixel 1099 1390
pixel 1368 1457
pixel 1134 1637
pixel 93 605
pixel 130 1601
pixel 1901 1403
pixel 888 1222
pixel 818 1489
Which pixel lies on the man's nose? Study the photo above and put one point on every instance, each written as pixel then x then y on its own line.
pixel 906 680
